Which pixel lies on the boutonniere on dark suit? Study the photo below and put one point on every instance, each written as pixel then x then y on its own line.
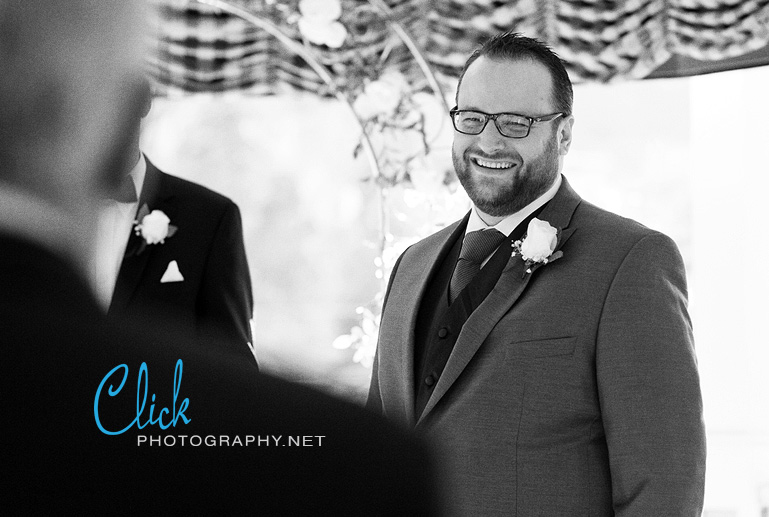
pixel 540 246
pixel 185 261
pixel 154 227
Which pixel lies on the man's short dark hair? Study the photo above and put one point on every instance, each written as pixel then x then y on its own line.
pixel 511 46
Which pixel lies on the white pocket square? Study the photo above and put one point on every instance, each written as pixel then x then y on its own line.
pixel 172 273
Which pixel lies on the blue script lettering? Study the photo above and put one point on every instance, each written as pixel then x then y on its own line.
pixel 141 400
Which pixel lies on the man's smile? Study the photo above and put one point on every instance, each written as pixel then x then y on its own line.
pixel 496 165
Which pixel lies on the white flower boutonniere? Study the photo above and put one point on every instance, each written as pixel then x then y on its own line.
pixel 154 227
pixel 536 248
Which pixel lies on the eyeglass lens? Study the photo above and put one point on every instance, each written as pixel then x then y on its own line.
pixel 473 123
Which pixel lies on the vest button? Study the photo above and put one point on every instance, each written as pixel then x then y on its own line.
pixel 443 332
pixel 430 380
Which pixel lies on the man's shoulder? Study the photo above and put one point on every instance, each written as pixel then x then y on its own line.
pixel 438 238
pixel 609 233
pixel 198 205
pixel 193 191
pixel 586 218
pixel 593 217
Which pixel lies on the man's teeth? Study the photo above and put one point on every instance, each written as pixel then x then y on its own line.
pixel 493 165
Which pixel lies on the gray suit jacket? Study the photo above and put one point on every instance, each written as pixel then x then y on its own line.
pixel 572 390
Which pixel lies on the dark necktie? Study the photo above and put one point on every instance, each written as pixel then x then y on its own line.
pixel 126 191
pixel 475 248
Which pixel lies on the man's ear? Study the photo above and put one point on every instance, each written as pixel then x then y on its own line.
pixel 564 135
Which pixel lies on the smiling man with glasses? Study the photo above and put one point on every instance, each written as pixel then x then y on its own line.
pixel 542 344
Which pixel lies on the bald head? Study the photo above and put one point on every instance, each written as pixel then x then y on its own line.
pixel 65 93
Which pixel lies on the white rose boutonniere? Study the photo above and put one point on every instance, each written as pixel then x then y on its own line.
pixel 539 242
pixel 536 248
pixel 154 227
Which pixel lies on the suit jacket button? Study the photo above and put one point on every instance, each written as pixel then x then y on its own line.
pixel 443 332
pixel 430 380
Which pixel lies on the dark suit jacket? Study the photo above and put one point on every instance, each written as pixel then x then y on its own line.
pixel 572 390
pixel 215 297
pixel 57 347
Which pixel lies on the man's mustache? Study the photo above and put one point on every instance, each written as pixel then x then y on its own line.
pixel 501 156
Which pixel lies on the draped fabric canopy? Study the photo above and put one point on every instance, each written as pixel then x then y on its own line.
pixel 197 47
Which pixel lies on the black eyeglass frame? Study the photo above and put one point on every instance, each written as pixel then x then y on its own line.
pixel 493 116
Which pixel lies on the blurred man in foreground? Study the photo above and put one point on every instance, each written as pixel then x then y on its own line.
pixel 103 419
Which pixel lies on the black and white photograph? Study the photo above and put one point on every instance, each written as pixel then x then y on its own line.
pixel 385 257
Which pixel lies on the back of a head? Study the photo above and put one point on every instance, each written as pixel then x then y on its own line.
pixel 62 97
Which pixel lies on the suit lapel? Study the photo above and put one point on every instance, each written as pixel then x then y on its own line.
pixel 136 257
pixel 509 288
pixel 399 399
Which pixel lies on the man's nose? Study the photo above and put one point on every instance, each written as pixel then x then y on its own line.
pixel 491 140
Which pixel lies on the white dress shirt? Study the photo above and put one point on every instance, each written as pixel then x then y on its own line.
pixel 113 230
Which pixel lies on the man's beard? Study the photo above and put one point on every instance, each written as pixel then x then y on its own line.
pixel 527 183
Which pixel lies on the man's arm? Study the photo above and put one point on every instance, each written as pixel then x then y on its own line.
pixel 225 304
pixel 649 387
pixel 374 401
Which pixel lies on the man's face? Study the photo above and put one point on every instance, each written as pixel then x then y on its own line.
pixel 501 174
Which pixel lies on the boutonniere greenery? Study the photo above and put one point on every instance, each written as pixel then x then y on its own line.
pixel 154 227
pixel 537 247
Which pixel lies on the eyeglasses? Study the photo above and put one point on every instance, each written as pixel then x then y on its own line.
pixel 471 122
